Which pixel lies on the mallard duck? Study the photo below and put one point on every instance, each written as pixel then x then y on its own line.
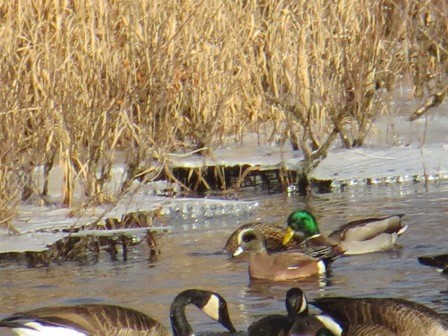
pixel 279 266
pixel 296 322
pixel 438 261
pixel 105 320
pixel 273 234
pixel 357 237
pixel 376 316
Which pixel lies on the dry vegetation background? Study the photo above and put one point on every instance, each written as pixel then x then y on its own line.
pixel 84 80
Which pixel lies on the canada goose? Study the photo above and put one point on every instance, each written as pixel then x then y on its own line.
pixel 273 235
pixel 438 261
pixel 296 322
pixel 376 316
pixel 356 237
pixel 281 266
pixel 107 320
pixel 320 332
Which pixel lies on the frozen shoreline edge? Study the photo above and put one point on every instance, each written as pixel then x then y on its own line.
pixel 406 161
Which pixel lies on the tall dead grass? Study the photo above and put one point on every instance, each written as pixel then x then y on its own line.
pixel 83 80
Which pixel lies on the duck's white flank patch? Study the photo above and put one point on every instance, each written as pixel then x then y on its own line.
pixel 330 324
pixel 40 330
pixel 238 251
pixel 321 267
pixel 212 307
pixel 317 235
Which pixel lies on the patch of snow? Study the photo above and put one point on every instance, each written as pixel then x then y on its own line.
pixel 41 226
pixel 395 151
pixel 28 242
pixel 267 157
pixel 395 164
pixel 399 131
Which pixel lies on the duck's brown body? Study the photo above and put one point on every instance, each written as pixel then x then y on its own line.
pixel 281 266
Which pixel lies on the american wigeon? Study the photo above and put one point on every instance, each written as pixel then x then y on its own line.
pixel 273 234
pixel 281 266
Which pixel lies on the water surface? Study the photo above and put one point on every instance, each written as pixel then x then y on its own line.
pixel 190 258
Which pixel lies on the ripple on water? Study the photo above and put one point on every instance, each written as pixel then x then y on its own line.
pixel 191 257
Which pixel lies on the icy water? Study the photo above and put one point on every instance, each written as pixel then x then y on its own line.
pixel 190 258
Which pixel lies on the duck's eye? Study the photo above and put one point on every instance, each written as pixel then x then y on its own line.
pixel 248 237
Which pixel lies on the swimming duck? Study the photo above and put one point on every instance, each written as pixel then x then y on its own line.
pixel 106 320
pixel 376 316
pixel 273 234
pixel 281 266
pixel 439 261
pixel 356 237
pixel 296 322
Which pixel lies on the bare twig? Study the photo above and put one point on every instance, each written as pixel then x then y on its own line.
pixel 433 100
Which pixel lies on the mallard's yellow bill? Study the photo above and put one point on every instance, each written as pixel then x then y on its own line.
pixel 288 236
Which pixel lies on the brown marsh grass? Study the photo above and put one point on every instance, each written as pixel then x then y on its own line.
pixel 84 80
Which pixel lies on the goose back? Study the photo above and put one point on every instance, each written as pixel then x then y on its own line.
pixel 369 316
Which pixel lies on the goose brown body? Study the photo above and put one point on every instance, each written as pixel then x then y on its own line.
pixel 109 320
pixel 91 319
pixel 382 316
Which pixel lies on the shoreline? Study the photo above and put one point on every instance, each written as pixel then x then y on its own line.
pixel 378 162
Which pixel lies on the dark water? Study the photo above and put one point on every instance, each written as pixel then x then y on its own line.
pixel 190 259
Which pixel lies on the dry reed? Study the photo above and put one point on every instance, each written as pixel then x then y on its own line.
pixel 82 81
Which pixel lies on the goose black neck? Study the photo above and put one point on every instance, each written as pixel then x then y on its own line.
pixel 179 321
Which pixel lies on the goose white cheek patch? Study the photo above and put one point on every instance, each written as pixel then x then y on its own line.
pixel 212 308
pixel 304 304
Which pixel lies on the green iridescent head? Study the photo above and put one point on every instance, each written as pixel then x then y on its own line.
pixel 303 221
